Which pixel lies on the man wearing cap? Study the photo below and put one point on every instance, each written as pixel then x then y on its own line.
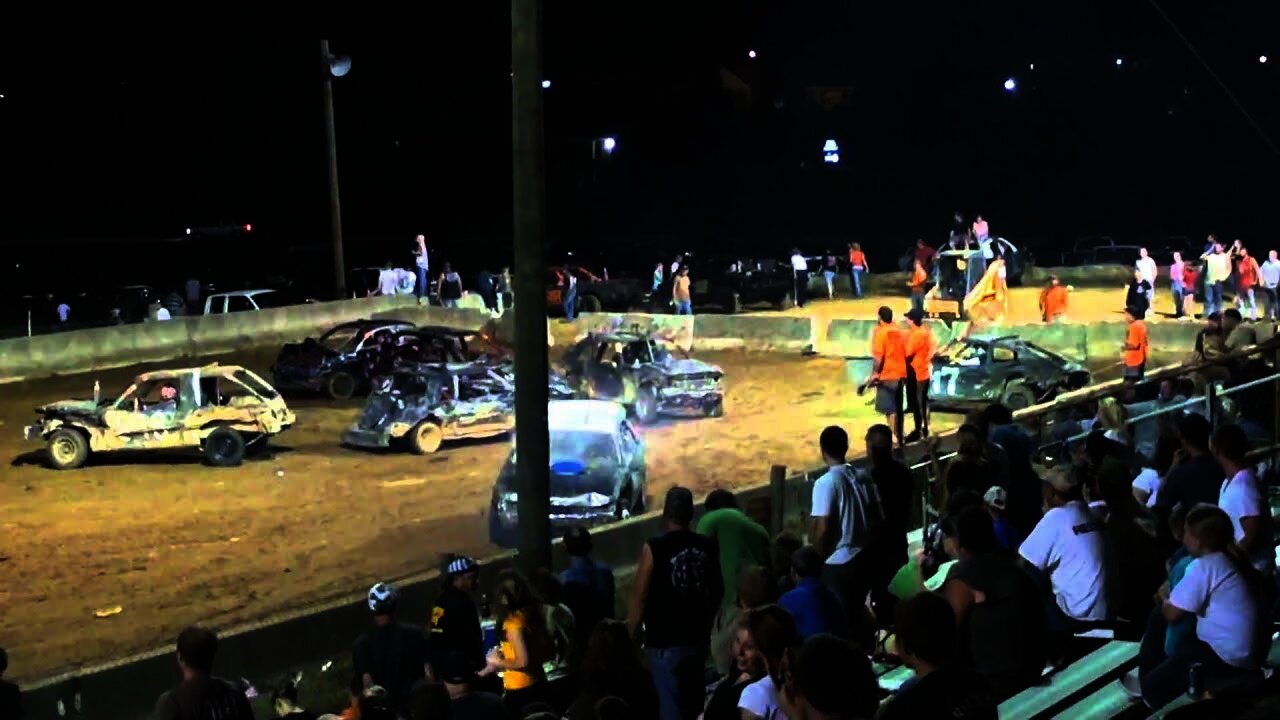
pixel 391 655
pixel 676 595
pixel 889 369
pixel 1136 346
pixel 920 349
pixel 455 622
pixel 1067 546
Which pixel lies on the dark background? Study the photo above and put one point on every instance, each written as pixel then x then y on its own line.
pixel 120 129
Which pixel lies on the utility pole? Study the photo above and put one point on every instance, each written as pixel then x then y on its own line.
pixel 529 185
pixel 331 146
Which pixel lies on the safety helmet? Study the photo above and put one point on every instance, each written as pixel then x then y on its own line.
pixel 382 598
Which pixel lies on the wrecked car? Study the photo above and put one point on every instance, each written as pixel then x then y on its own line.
pixel 639 371
pixel 429 345
pixel 972 372
pixel 223 410
pixel 597 467
pixel 333 363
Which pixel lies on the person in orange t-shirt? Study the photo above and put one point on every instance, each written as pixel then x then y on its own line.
pixel 916 283
pixel 1053 301
pixel 1136 345
pixel 920 349
pixel 857 267
pixel 889 369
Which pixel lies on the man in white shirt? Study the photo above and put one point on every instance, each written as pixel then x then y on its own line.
pixel 1242 499
pixel 845 507
pixel 800 275
pixel 1147 265
pixel 1269 273
pixel 405 282
pixel 388 280
pixel 1067 545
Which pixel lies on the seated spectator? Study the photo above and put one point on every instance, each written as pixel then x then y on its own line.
pixel 1195 476
pixel 996 501
pixel 588 585
pixel 375 705
pixel 526 643
pixel 612 668
pixel 925 639
pixel 1067 546
pixel 391 655
pixel 559 618
pixel 996 455
pixel 1243 499
pixel 815 607
pixel 773 631
pixel 284 699
pixel 742 543
pixel 1146 433
pixel 1181 632
pixel 1146 485
pixel 748 668
pixel 831 679
pixel 10 695
pixel 968 471
pixel 1133 556
pixel 784 547
pixel 1238 334
pixel 466 702
pixel 1112 420
pixel 433 701
pixel 998 608
pixel 938 556
pixel 201 695
pixel 1226 594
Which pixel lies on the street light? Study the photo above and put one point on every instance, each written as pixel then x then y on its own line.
pixel 336 66
pixel 609 144
pixel 1010 84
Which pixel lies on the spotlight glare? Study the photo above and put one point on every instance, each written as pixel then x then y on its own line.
pixel 751 54
pixel 1119 62
pixel 1261 58
pixel 609 144
pixel 1032 66
pixel 1010 85
pixel 546 84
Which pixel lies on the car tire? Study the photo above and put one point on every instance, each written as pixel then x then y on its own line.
pixel 340 386
pixel 716 409
pixel 590 303
pixel 426 437
pixel 1017 396
pixel 787 302
pixel 224 447
pixel 67 449
pixel 733 305
pixel 645 407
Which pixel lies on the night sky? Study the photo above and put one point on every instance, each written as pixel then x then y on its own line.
pixel 120 127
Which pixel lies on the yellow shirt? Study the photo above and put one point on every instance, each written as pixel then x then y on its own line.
pixel 516 679
pixel 682 288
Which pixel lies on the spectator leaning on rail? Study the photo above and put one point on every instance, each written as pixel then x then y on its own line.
pixel 201 696
pixel 588 585
pixel 742 543
pixel 813 604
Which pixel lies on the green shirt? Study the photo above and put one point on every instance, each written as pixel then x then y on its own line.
pixel 743 543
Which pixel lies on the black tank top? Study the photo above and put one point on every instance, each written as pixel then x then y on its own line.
pixel 684 590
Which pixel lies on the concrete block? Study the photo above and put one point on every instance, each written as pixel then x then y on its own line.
pixel 847 338
pixel 753 332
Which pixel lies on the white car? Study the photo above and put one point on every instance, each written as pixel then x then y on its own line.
pixel 242 301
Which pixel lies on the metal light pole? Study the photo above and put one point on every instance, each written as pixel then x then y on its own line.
pixel 331 146
pixel 529 185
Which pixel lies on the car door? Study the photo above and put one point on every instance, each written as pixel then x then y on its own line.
pixel 961 378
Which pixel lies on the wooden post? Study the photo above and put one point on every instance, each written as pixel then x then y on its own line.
pixel 777 497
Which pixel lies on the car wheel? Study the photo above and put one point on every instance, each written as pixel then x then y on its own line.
pixel 590 303
pixel 224 447
pixel 734 304
pixel 68 449
pixel 787 302
pixel 716 409
pixel 646 404
pixel 623 508
pixel 425 437
pixel 340 386
pixel 1017 396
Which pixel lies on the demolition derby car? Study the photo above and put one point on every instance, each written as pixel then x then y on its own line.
pixel 335 362
pixel 975 371
pixel 597 469
pixel 221 409
pixel 639 371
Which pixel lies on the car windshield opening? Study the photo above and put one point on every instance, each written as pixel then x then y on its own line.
pixel 341 339
pixel 590 448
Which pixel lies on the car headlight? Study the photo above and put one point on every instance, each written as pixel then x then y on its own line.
pixel 509 498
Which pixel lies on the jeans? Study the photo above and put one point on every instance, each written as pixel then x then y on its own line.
pixel 917 299
pixel 423 287
pixel 855 274
pixel 1212 298
pixel 1270 298
pixel 1178 294
pixel 449 302
pixel 1164 678
pixel 570 302
pixel 684 307
pixel 1246 299
pixel 830 277
pixel 678 677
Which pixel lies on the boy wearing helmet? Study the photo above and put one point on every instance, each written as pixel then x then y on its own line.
pixel 391 655
pixel 455 621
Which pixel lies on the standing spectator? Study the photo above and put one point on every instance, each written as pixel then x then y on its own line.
pixel 559 620
pixel 1023 485
pixel 659 277
pixel 1138 292
pixel 800 277
pixel 1196 477
pixel 1270 276
pixel 64 312
pixel 831 679
pixel 458 676
pixel 1136 346
pixel 920 348
pixel 924 254
pixel 392 655
pixel 192 293
pixel 857 267
pixel 1067 546
pixel 1217 272
pixel 741 543
pixel 502 286
pixel 449 287
pixel 889 369
pixel 916 284
pixel 422 264
pixel 10 695
pixel 925 629
pixel 982 235
pixel 284 700
pixel 1226 594
pixel 829 269
pixel 1147 266
pixel 773 631
pixel 569 291
pixel 612 668
pixel 748 668
pixel 455 621
pixel 427 701
pixel 846 510
pixel 677 591
pixel 486 288
pixel 1190 280
pixel 981 230
pixel 388 280
pixel 1175 284
pixel 525 643
pixel 588 585
pixel 1053 300
pixel 814 605
pixel 405 282
pixel 1247 272
pixel 970 470
pixel 680 292
pixel 887 544
pixel 1243 499
pixel 201 696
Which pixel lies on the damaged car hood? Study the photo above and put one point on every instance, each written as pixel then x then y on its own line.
pixel 84 408
pixel 690 366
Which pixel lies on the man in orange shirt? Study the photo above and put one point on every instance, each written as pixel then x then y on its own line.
pixel 1053 301
pixel 916 283
pixel 889 369
pixel 919 350
pixel 1136 345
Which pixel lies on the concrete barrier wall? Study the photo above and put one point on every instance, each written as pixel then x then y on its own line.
pixel 752 332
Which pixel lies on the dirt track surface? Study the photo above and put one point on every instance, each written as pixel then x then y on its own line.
pixel 172 541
